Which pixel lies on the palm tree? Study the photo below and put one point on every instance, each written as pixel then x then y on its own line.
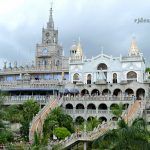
pixel 134 137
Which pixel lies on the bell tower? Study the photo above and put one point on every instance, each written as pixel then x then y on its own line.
pixel 49 52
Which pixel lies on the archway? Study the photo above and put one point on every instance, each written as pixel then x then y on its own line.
pixel 84 92
pixel 129 92
pixel 90 118
pixel 95 92
pixel 102 66
pixel 79 120
pixel 140 93
pixel 117 92
pixel 79 106
pixel 76 78
pixel 114 118
pixel 89 78
pixel 106 92
pixel 91 106
pixel 69 106
pixel 114 105
pixel 103 119
pixel 102 106
pixel 131 75
pixel 125 106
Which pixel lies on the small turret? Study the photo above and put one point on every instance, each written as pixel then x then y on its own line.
pixel 76 52
pixel 133 51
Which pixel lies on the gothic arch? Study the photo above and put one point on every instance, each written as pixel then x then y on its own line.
pixel 102 66
pixel 69 106
pixel 129 92
pixel 140 93
pixel 103 119
pixel 90 118
pixel 91 106
pixel 131 75
pixel 114 77
pixel 79 120
pixel 113 105
pixel 106 92
pixel 125 106
pixel 84 92
pixel 79 106
pixel 117 92
pixel 102 106
pixel 89 78
pixel 76 77
pixel 95 92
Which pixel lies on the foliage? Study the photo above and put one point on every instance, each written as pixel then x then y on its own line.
pixel 147 70
pixel 57 118
pixel 5 135
pixel 134 137
pixel 92 123
pixel 117 110
pixel 14 114
pixel 61 133
pixel 57 147
pixel 30 109
pixel 39 143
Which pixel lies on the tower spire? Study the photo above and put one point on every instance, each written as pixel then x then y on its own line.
pixel 50 24
pixel 133 51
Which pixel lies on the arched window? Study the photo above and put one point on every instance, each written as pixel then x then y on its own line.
pixel 89 77
pixel 76 77
pixel 140 93
pixel 131 75
pixel 115 78
pixel 102 66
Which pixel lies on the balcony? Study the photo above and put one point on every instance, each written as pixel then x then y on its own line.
pixel 9 100
pixel 101 82
pixel 31 84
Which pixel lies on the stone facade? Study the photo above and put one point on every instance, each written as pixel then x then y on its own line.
pixel 89 87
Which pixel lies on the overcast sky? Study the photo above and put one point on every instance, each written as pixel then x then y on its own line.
pixel 99 23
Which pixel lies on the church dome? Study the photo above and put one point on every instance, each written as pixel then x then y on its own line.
pixel 73 47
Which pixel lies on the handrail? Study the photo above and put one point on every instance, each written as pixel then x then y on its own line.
pixel 38 120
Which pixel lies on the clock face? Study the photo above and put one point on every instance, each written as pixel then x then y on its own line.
pixel 45 50
pixel 47 34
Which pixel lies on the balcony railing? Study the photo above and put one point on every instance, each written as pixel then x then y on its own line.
pixel 30 84
pixel 98 98
pixel 23 98
pixel 87 111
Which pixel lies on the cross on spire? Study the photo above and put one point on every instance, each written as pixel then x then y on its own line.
pixel 50 24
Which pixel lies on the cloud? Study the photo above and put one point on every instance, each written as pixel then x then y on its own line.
pixel 107 23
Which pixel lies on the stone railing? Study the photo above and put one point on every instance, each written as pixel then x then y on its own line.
pixel 30 84
pixel 33 69
pixel 37 123
pixel 23 98
pixel 134 110
pixel 83 111
pixel 87 136
pixel 98 98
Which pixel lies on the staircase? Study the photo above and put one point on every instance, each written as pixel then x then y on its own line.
pixel 37 123
pixel 134 111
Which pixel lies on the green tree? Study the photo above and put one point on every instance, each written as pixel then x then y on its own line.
pixel 147 70
pixel 92 123
pixel 117 110
pixel 57 118
pixel 30 109
pixel 14 114
pixel 61 133
pixel 5 134
pixel 134 137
